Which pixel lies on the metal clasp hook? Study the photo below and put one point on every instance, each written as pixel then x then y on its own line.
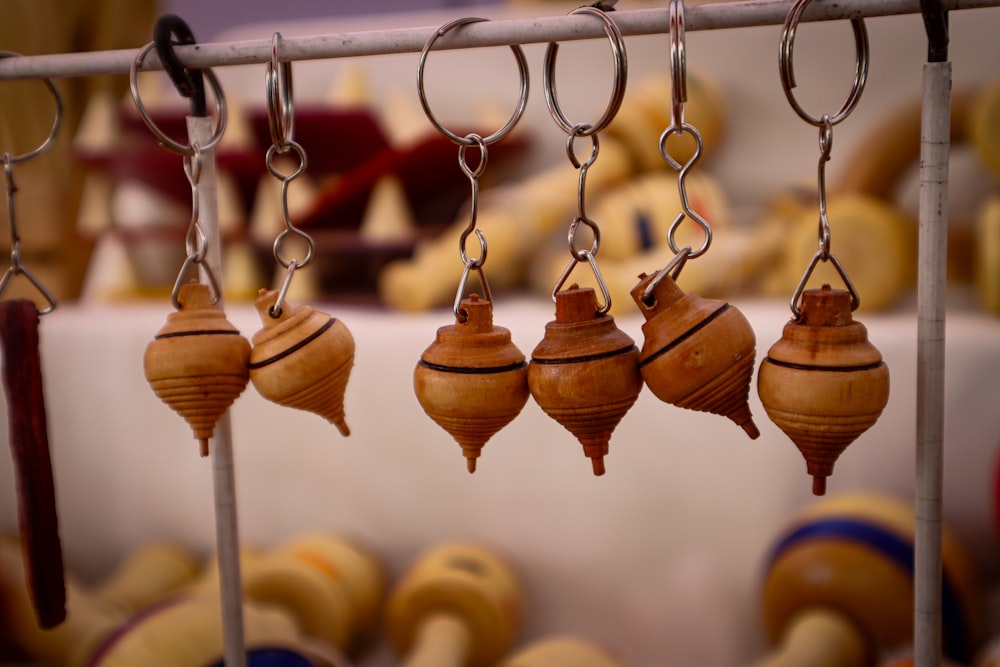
pixel 678 97
pixel 473 174
pixel 16 266
pixel 825 124
pixel 575 130
pixel 281 121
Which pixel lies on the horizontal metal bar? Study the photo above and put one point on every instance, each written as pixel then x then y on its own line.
pixel 502 32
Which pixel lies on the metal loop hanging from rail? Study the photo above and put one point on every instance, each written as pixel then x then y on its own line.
pixel 17 267
pixel 471 264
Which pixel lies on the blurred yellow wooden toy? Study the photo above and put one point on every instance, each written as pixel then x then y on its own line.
pixel 561 652
pixel 305 603
pixel 875 242
pixel 987 259
pixel 331 588
pixel 838 588
pixel 148 576
pixel 459 605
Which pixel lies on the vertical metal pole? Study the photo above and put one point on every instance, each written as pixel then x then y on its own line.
pixel 931 284
pixel 200 130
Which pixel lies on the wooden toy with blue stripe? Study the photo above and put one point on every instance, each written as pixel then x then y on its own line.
pixel 838 586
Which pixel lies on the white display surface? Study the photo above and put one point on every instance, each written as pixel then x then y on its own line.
pixel 660 559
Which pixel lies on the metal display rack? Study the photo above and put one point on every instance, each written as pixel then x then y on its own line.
pixel 932 223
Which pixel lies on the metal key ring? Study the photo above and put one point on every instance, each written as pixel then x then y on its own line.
pixel 278 91
pixel 522 67
pixel 620 78
pixel 56 123
pixel 788 76
pixel 678 63
pixel 164 140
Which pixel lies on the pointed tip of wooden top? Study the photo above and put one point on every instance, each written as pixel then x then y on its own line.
pixel 344 429
pixel 598 463
pixel 819 485
pixel 470 464
pixel 203 446
pixel 751 429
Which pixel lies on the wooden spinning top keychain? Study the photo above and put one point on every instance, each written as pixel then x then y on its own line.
pixel 20 349
pixel 697 353
pixel 472 380
pixel 197 362
pixel 301 358
pixel 585 371
pixel 823 383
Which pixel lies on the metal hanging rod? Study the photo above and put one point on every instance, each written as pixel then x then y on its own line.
pixel 501 32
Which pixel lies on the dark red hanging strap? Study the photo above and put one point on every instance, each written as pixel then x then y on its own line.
pixel 22 379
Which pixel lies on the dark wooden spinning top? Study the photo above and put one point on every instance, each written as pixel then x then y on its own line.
pixel 472 380
pixel 585 372
pixel 697 353
pixel 823 383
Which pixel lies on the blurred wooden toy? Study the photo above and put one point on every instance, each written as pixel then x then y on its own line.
pixel 989 655
pixel 981 123
pixel 636 216
pixel 197 363
pixel 585 372
pixel 306 602
pixel 187 632
pixel 302 359
pixel 987 256
pixel 875 238
pixel 459 605
pixel 838 587
pixel 823 383
pixel 331 587
pixel 697 353
pixel 561 652
pixel 148 576
pixel 906 660
pixel 472 380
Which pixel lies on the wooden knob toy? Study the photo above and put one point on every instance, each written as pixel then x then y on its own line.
pixel 148 576
pixel 585 372
pixel 187 631
pixel 823 383
pixel 697 353
pixel 472 380
pixel 302 359
pixel 197 363
pixel 459 605
pixel 838 585
pixel 332 588
pixel 562 652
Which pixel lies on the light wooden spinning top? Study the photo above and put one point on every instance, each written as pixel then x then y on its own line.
pixel 472 380
pixel 585 372
pixel 697 353
pixel 197 363
pixel 823 383
pixel 302 359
